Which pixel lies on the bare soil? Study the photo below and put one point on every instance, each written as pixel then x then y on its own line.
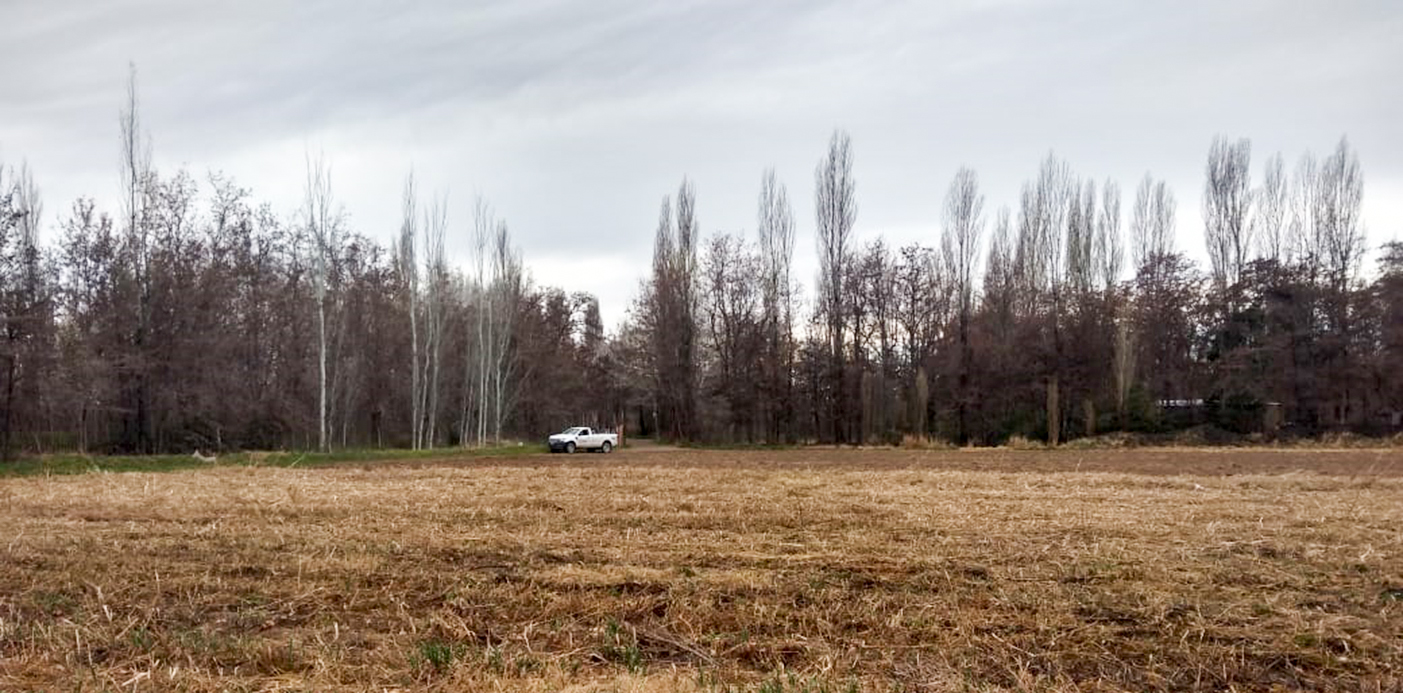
pixel 667 569
pixel 1211 461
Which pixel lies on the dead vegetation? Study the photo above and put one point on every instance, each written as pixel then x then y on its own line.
pixel 696 570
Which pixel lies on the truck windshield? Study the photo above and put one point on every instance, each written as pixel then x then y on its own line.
pixel 572 431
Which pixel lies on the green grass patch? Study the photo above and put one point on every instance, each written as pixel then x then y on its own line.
pixel 82 464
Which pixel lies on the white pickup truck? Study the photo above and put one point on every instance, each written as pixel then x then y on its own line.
pixel 582 438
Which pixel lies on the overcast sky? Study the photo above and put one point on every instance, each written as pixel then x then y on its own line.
pixel 573 119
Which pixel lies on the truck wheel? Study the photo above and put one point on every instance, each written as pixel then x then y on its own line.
pixel 569 448
pixel 606 448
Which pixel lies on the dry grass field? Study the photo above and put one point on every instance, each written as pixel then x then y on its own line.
pixel 654 570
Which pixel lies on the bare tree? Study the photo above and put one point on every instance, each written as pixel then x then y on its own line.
pixel 921 307
pixel 323 227
pixel 835 210
pixel 879 269
pixel 661 314
pixel 484 226
pixel 673 299
pixel 999 261
pixel 731 310
pixel 776 236
pixel 21 295
pixel 409 270
pixel 684 284
pixel 1081 239
pixel 136 172
pixel 1152 222
pixel 1303 241
pixel 1043 228
pixel 29 208
pixel 964 225
pixel 11 216
pixel 1227 203
pixel 1110 250
pixel 506 288
pixel 434 227
pixel 1338 202
pixel 1337 215
pixel 1109 255
pixel 136 168
pixel 1042 225
pixel 1027 257
pixel 1270 216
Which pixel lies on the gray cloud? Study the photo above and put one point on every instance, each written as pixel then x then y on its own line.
pixel 574 118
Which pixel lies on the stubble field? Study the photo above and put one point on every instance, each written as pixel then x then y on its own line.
pixel 656 570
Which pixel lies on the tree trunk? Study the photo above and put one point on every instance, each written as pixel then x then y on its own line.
pixel 965 355
pixel 321 362
pixel 9 409
pixel 416 436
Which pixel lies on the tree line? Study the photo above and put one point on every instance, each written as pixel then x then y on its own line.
pixel 195 317
pixel 1062 315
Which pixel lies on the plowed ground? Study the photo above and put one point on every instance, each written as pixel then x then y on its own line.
pixel 660 569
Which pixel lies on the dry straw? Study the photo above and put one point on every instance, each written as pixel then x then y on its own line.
pixel 692 570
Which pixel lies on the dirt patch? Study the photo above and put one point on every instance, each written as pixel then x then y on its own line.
pixel 1361 462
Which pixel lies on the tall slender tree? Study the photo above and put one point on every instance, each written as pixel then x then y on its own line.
pixel 835 212
pixel 673 302
pixel 434 229
pixel 506 289
pixel 322 224
pixel 964 224
pixel 136 173
pixel 776 236
pixel 409 269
